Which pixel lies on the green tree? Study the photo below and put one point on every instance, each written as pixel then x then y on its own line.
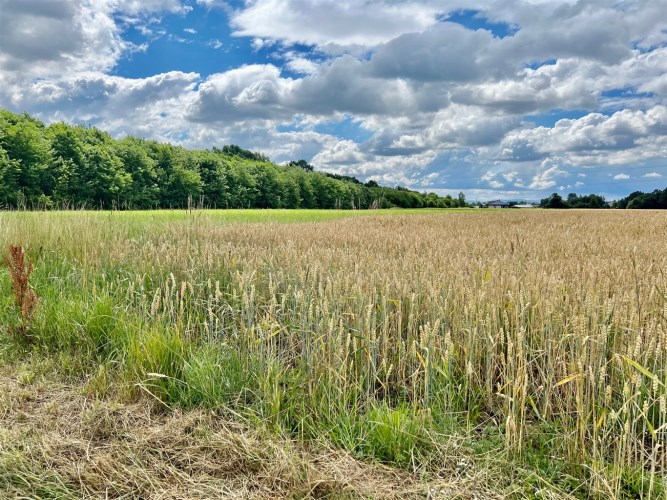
pixel 10 171
pixel 462 199
pixel 268 186
pixel 242 187
pixel 69 164
pixel 143 191
pixel 76 165
pixel 291 190
pixel 213 176
pixel 302 164
pixel 23 138
pixel 184 187
pixel 553 201
pixel 307 191
pixel 105 182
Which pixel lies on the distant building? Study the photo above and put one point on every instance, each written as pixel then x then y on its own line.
pixel 526 205
pixel 497 204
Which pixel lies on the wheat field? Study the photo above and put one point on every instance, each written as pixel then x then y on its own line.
pixel 533 343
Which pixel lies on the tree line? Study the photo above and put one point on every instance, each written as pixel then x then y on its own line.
pixel 656 199
pixel 66 166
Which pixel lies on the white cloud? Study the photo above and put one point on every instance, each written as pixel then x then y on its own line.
pixel 44 41
pixel 621 177
pixel 446 52
pixel 546 178
pixel 344 86
pixel 298 63
pixel 429 179
pixel 149 107
pixel 259 91
pixel 425 90
pixel 332 22
pixel 346 157
pixel 491 179
pixel 618 136
pixel 339 154
pixel 453 127
pixel 302 66
pixel 566 83
pixel 250 92
pixel 213 4
pixel 144 6
pixel 39 38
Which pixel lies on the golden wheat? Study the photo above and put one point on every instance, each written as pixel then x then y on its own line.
pixel 530 319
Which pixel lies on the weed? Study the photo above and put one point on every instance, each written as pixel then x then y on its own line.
pixel 25 297
pixel 396 435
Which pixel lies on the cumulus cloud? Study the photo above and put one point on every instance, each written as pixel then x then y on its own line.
pixel 339 154
pixel 547 176
pixel 621 177
pixel 585 30
pixel 563 84
pixel 144 6
pixel 595 133
pixel 332 22
pixel 260 91
pixel 301 65
pixel 150 107
pixel 345 86
pixel 41 37
pixel 453 127
pixel 490 178
pixel 421 85
pixel 250 92
pixel 445 52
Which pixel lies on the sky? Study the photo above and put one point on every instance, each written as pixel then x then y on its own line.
pixel 496 98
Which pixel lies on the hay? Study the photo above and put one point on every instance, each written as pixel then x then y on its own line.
pixel 55 442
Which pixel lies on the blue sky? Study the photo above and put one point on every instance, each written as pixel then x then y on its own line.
pixel 498 99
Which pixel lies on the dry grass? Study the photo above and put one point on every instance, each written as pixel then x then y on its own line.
pixel 24 295
pixel 56 443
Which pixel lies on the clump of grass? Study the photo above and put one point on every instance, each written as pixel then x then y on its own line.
pixel 158 358
pixel 25 297
pixel 396 435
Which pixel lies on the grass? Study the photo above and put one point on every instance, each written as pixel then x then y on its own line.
pixel 56 443
pixel 522 351
pixel 231 216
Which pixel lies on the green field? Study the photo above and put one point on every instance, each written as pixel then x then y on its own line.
pixel 231 216
pixel 294 353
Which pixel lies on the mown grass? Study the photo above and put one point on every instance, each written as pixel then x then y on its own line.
pixel 531 343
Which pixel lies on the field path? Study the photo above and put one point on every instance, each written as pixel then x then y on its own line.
pixel 57 443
